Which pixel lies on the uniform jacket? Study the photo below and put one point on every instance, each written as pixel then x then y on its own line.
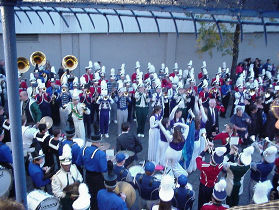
pixel 109 200
pixel 34 110
pixel 37 175
pixel 62 179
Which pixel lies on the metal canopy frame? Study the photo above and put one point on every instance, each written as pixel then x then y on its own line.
pixel 194 14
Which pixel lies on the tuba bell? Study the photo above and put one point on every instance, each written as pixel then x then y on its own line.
pixel 22 65
pixel 70 62
pixel 38 58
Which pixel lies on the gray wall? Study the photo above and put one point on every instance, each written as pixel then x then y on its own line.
pixel 114 49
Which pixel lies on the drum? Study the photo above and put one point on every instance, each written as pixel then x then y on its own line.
pixel 38 200
pixel 134 170
pixel 5 182
pixel 128 190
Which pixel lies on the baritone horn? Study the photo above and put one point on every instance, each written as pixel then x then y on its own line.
pixel 38 58
pixel 22 65
pixel 70 62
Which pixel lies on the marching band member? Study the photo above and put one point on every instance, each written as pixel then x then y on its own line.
pixel 131 105
pixel 148 186
pixel 32 89
pixel 107 198
pixel 112 89
pixel 150 70
pixel 128 141
pixel 134 75
pixel 63 99
pixel 70 133
pixel 29 108
pixel 176 114
pixel 158 98
pixel 175 70
pixel 76 109
pixel 105 102
pixel 86 98
pixel 172 92
pixel 239 99
pixel 53 91
pixel 39 176
pixel 95 91
pixel 67 175
pixel 53 147
pixel 119 169
pixel 184 196
pixel 88 76
pixel 6 158
pixel 174 151
pixel 75 88
pixel 180 98
pixel 226 93
pixel 43 100
pixel 260 170
pixel 142 102
pixel 122 99
pixel 235 174
pixel 154 134
pixel 42 138
pixel 226 135
pixel 218 196
pixel 203 74
pixel 166 194
pixel 83 200
pixel 204 94
pixel 209 173
pixel 95 163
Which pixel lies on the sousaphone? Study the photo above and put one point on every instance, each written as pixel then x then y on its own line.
pixel 69 62
pixel 23 64
pixel 38 59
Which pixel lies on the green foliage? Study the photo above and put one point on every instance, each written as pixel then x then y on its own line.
pixel 209 39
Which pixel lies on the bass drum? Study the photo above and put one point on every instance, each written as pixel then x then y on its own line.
pixel 5 182
pixel 39 200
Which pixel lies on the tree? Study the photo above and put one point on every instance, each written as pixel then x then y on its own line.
pixel 209 39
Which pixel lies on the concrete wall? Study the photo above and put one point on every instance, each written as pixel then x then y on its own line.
pixel 114 49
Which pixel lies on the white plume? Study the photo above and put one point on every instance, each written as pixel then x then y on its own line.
pixel 221 185
pixel 249 150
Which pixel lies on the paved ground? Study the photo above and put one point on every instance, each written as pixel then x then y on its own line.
pixel 193 177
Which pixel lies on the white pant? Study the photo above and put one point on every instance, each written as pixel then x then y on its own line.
pixel 63 118
pixel 161 152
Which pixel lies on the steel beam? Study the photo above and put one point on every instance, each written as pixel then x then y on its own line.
pixel 9 38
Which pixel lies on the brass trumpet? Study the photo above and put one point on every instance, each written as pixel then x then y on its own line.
pixel 44 89
pixel 105 98
pixel 126 94
pixel 64 90
pixel 22 65
pixel 70 62
pixel 38 58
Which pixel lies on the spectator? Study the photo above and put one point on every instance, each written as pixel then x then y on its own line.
pixel 240 122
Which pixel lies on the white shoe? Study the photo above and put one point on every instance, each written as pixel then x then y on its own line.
pixel 115 121
pixel 106 135
pixel 102 135
pixel 135 120
pixel 142 135
pixel 139 135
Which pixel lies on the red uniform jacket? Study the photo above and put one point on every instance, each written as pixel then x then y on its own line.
pixel 134 77
pixel 223 137
pixel 209 173
pixel 212 206
pixel 40 99
pixel 204 96
pixel 23 85
pixel 146 76
pixel 200 75
pixel 88 78
pixel 172 74
pixel 166 84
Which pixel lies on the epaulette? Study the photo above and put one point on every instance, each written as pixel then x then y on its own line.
pixel 205 165
pixel 220 165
